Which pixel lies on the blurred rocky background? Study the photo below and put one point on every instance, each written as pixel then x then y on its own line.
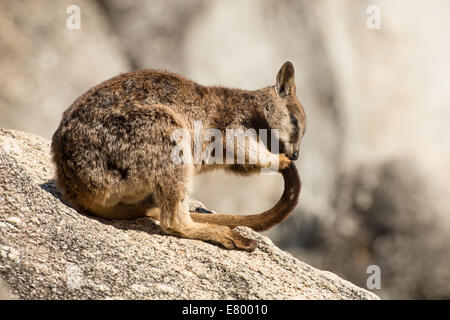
pixel 375 162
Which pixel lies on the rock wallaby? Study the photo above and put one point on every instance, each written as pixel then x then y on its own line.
pixel 113 150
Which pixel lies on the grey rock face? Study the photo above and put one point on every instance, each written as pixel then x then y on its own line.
pixel 50 251
pixel 44 64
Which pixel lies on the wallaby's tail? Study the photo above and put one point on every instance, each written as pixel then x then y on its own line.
pixel 267 219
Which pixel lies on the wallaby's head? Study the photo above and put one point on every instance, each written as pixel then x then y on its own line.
pixel 287 115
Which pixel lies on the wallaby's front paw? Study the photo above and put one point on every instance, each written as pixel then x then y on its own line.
pixel 283 162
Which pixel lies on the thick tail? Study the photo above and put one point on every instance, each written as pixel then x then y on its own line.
pixel 267 219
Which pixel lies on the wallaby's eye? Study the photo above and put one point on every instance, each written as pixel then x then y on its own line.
pixel 293 119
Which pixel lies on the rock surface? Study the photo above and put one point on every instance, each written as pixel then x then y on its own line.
pixel 50 251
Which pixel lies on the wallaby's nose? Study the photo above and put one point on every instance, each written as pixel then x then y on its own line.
pixel 294 156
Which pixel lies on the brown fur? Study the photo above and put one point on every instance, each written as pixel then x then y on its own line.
pixel 112 149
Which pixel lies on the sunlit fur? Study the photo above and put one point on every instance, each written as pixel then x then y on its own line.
pixel 112 149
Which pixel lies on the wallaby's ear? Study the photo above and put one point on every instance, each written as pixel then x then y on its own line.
pixel 285 79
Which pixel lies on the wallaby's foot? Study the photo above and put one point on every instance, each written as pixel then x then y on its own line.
pixel 213 233
pixel 283 161
pixel 234 240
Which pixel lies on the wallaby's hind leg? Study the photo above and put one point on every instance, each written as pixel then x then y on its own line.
pixel 171 198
